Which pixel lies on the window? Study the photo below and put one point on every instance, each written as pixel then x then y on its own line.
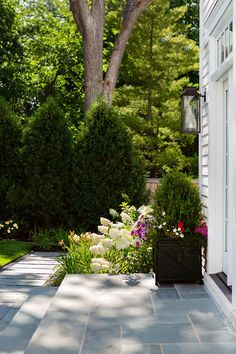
pixel 225 44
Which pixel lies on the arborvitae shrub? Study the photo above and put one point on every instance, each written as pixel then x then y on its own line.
pixel 10 140
pixel 179 198
pixel 106 166
pixel 47 156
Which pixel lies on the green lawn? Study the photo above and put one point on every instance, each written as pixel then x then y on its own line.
pixel 10 250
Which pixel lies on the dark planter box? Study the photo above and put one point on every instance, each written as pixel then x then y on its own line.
pixel 173 264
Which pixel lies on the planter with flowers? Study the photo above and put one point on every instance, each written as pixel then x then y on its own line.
pixel 181 233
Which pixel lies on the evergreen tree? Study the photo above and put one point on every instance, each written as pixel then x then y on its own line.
pixel 47 155
pixel 106 167
pixel 10 141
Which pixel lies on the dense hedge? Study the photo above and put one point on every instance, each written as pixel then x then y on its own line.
pixel 10 141
pixel 47 156
pixel 49 181
pixel 106 166
pixel 179 198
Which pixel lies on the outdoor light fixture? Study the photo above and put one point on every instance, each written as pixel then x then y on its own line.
pixel 190 109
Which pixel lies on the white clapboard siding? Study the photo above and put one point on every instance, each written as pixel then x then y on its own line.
pixel 207 7
pixel 204 139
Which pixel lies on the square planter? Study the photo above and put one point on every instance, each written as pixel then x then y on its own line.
pixel 173 264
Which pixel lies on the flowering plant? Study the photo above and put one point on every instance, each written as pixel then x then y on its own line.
pixel 182 231
pixel 8 229
pixel 178 211
pixel 122 243
pixel 120 246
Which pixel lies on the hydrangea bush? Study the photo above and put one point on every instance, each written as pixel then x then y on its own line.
pixel 121 246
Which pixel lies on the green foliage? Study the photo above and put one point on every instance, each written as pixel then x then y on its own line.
pixel 191 17
pixel 48 240
pixel 179 198
pixel 10 142
pixel 173 151
pixel 47 154
pixel 158 59
pixel 106 166
pixel 77 259
pixel 133 259
pixel 11 51
pixel 53 57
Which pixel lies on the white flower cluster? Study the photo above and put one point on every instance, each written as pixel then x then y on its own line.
pixel 8 226
pixel 112 234
pixel 99 264
pixel 118 235
pixel 176 231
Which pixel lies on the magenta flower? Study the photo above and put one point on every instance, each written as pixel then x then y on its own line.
pixel 202 230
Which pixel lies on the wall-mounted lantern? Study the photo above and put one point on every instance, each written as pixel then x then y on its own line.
pixel 190 109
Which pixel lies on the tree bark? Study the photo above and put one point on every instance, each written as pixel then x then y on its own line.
pixel 91 26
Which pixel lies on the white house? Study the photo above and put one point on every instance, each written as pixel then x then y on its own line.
pixel 218 147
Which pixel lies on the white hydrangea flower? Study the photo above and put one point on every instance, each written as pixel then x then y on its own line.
pixel 8 231
pixel 114 233
pixel 126 218
pixel 125 233
pixel 98 264
pixel 103 229
pixel 1 225
pixel 160 226
pixel 107 243
pixel 122 243
pixel 145 210
pixel 163 213
pixel 95 238
pixel 104 221
pixel 164 223
pixel 98 249
pixel 15 225
pixel 119 224
pixel 7 222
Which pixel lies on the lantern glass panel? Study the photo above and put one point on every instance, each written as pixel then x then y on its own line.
pixel 190 114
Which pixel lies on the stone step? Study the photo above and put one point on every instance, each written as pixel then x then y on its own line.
pixel 30 266
pixel 22 282
pixel 16 336
pixel 18 271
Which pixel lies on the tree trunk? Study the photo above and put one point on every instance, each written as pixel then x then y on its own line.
pixel 91 26
pixel 93 80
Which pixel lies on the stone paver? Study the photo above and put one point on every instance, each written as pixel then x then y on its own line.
pixel 127 314
pixel 104 314
pixel 21 290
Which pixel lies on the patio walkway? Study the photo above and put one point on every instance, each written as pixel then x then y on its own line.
pixel 24 299
pixel 100 314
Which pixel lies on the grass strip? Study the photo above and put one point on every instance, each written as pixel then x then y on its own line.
pixel 11 250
